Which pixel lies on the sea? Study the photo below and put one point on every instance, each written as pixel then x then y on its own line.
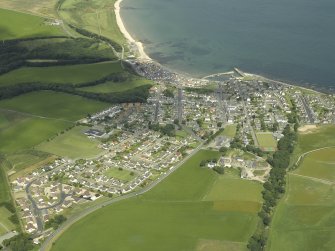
pixel 288 40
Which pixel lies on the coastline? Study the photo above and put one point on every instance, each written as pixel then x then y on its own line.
pixel 139 46
pixel 143 56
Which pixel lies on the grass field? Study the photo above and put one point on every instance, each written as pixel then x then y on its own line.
pixel 53 105
pixel 72 74
pixel 21 25
pixel 38 7
pixel 229 131
pixel 73 144
pixel 267 141
pixel 123 175
pixel 18 132
pixel 96 16
pixel 305 218
pixel 5 223
pixel 320 137
pixel 172 216
pixel 110 87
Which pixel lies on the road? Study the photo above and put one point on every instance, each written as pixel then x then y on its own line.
pixel 253 134
pixel 53 237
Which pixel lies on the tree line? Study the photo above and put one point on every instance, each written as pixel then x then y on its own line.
pixel 274 187
pixel 138 94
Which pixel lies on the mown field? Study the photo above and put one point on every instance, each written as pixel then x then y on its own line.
pixel 70 74
pixel 229 131
pixel 53 105
pixel 266 141
pixel 305 217
pixel 21 25
pixel 72 144
pixel 187 211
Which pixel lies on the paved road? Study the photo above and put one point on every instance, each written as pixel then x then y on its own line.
pixel 53 237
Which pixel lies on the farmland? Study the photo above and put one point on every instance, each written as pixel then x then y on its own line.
pixel 21 25
pixel 38 7
pixel 96 16
pixel 110 87
pixel 72 144
pixel 187 206
pixel 20 132
pixel 304 219
pixel 53 105
pixel 5 197
pixel 73 74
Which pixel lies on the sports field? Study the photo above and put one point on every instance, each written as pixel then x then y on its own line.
pixel 21 25
pixel 71 74
pixel 110 87
pixel 266 141
pixel 73 144
pixel 53 105
pixel 305 217
pixel 172 216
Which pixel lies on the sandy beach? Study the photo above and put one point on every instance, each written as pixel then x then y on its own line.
pixel 140 49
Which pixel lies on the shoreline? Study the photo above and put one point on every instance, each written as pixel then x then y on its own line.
pixel 140 48
pixel 142 55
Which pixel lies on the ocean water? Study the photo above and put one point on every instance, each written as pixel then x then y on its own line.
pixel 290 40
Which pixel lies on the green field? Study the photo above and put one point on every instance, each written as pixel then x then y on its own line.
pixel 72 74
pixel 73 144
pixel 123 175
pixel 21 25
pixel 229 131
pixel 24 159
pixel 267 141
pixel 173 216
pixel 320 137
pixel 305 217
pixel 53 105
pixel 18 132
pixel 96 16
pixel 5 223
pixel 39 7
pixel 110 87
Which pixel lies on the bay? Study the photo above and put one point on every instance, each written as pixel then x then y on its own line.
pixel 290 40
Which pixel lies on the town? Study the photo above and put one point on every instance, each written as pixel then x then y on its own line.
pixel 238 114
